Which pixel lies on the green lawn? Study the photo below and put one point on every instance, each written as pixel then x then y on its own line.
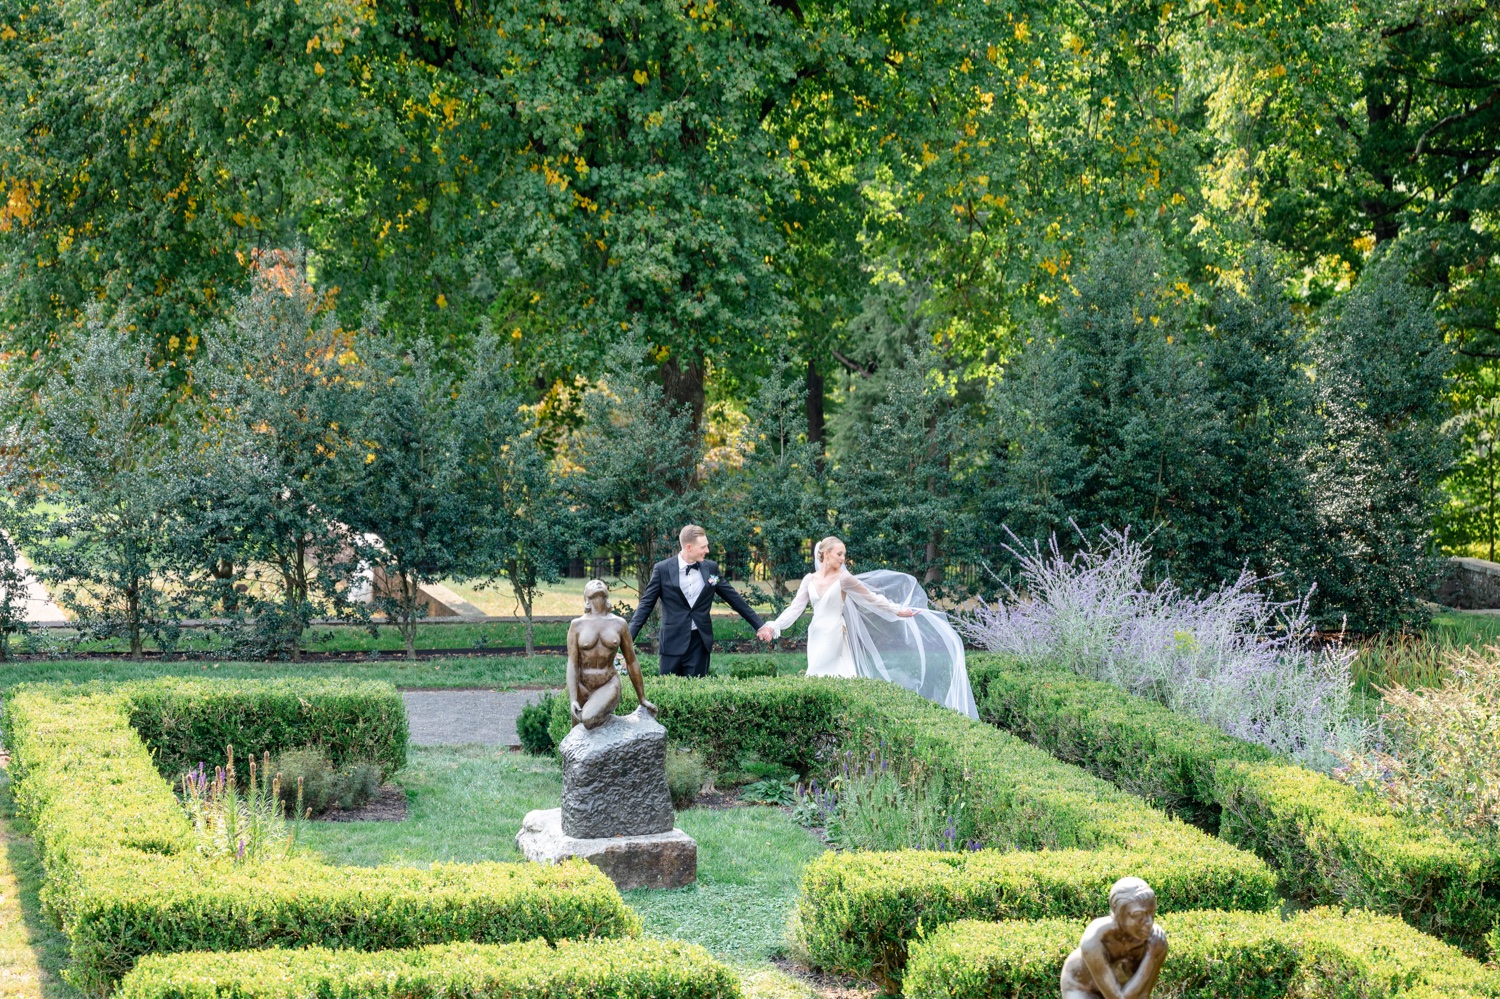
pixel 349 638
pixel 466 804
pixel 489 672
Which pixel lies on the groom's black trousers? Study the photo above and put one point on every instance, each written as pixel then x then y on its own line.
pixel 693 662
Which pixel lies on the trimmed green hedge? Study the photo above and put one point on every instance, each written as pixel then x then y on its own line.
pixel 858 911
pixel 124 879
pixel 185 721
pixel 1330 843
pixel 1321 954
pixel 592 969
pixel 1134 743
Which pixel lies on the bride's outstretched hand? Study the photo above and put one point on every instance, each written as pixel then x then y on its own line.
pixel 907 612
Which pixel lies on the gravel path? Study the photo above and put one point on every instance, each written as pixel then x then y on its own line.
pixel 456 717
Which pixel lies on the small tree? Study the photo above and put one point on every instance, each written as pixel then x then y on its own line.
pixel 527 529
pixel 13 595
pixel 774 496
pixel 110 475
pixel 899 491
pixel 635 457
pixel 1382 370
pixel 413 493
pixel 275 386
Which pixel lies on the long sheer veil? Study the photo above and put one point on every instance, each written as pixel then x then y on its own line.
pixel 921 653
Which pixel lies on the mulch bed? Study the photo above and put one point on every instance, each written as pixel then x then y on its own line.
pixel 389 805
pixel 826 985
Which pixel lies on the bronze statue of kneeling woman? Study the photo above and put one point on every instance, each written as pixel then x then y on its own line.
pixel 593 640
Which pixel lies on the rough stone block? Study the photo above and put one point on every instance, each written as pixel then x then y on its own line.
pixel 658 860
pixel 615 779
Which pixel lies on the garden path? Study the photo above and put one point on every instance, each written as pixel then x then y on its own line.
pixel 459 717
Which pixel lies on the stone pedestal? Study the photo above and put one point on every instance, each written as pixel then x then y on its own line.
pixel 656 860
pixel 615 779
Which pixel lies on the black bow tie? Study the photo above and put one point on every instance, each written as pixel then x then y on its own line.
pixel 692 567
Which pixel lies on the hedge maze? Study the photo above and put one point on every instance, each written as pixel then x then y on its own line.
pixel 135 899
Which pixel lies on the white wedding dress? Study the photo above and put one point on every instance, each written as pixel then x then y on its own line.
pixel 856 630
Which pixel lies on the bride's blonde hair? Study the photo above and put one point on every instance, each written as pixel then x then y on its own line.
pixel 824 545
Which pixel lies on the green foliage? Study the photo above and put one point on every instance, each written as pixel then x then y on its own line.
pixel 1133 742
pixel 413 488
pixel 1470 523
pixel 860 912
pixel 593 969
pixel 525 528
pixel 1385 448
pixel 900 491
pixel 306 777
pixel 114 483
pixel 532 725
pixel 1145 414
pixel 13 594
pixel 1320 954
pixel 107 824
pixel 186 722
pixel 772 497
pixel 1332 844
pixel 636 454
pixel 246 827
pixel 1328 842
pixel 686 776
pixel 275 420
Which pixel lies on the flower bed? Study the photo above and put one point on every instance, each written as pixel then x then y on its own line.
pixel 1329 843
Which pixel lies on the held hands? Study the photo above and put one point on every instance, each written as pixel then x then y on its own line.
pixel 766 633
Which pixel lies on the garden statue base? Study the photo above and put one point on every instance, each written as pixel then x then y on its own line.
pixel 655 860
pixel 615 779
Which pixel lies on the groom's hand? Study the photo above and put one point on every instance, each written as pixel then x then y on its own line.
pixel 766 633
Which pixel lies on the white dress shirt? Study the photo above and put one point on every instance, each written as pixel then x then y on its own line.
pixel 692 582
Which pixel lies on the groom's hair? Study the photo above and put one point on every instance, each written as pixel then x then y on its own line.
pixel 689 534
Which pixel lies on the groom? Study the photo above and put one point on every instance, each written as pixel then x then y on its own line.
pixel 686 584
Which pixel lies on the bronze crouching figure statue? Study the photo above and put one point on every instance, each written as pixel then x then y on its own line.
pixel 1120 954
pixel 593 641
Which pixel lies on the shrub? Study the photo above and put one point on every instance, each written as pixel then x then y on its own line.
pixel 123 878
pixel 1233 658
pixel 306 774
pixel 185 721
pixel 593 969
pixel 859 912
pixel 870 805
pixel 1332 844
pixel 1322 954
pixel 1444 759
pixel 1329 843
pixel 686 776
pixel 532 725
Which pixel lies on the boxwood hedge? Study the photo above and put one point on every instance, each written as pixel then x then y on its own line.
pixel 124 879
pixel 1321 954
pixel 858 911
pixel 593 969
pixel 1329 843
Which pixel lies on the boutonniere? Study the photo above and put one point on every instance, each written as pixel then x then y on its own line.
pixel 713 580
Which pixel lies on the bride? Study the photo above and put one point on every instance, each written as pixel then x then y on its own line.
pixel 878 625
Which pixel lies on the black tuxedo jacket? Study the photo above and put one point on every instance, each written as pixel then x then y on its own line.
pixel 677 618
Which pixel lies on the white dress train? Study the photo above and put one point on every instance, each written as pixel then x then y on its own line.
pixel 856 631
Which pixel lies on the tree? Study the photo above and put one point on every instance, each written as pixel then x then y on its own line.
pixel 274 387
pixel 13 595
pixel 526 531
pixel 413 491
pixel 634 461
pixel 1382 371
pixel 1471 521
pixel 772 496
pixel 899 490
pixel 114 489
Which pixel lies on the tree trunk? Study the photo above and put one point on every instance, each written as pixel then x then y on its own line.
pixel 684 386
pixel 133 605
pixel 815 397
